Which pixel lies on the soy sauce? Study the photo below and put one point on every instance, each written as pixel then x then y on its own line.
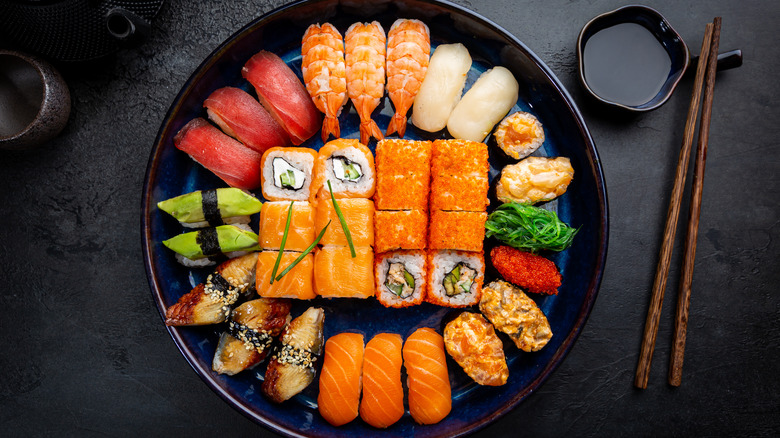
pixel 625 64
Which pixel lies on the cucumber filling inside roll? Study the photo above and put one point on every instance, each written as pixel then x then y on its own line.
pixel 286 176
pixel 346 170
pixel 399 281
pixel 459 279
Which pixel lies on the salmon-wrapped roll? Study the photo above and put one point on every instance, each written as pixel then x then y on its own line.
pixel 349 166
pixel 358 214
pixel 297 283
pixel 339 275
pixel 273 219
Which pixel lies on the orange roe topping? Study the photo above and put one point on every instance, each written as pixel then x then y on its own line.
pixel 531 272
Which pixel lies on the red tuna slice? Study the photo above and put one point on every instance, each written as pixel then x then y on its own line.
pixel 230 160
pixel 283 95
pixel 243 118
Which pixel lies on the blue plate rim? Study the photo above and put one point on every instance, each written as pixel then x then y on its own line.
pixel 592 288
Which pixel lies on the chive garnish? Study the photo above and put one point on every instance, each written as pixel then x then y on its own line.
pixel 343 222
pixel 304 253
pixel 284 240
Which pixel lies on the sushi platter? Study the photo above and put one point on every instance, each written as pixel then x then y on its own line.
pixel 419 203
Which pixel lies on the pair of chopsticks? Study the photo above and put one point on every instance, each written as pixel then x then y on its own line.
pixel 708 59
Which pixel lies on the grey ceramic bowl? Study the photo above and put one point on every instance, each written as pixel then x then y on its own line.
pixel 34 101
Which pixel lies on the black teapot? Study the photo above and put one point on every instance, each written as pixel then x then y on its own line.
pixel 76 30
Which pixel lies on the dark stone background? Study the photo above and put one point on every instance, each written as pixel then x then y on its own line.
pixel 85 352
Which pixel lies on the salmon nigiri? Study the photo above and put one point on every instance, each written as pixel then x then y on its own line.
pixel 383 395
pixel 340 378
pixel 430 395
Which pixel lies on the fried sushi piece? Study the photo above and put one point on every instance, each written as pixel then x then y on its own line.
pixel 273 219
pixel 454 278
pixel 488 100
pixel 459 193
pixel 339 275
pixel 297 283
pixel 430 393
pixel 473 343
pixel 400 278
pixel 349 166
pixel 519 134
pixel 252 328
pixel 210 302
pixel 287 173
pixel 532 272
pixel 405 229
pixel 211 208
pixel 403 174
pixel 291 368
pixel 512 312
pixel 463 230
pixel 243 118
pixel 358 214
pixel 340 378
pixel 535 179
pixel 383 394
pixel 459 158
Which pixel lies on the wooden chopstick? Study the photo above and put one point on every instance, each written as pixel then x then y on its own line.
pixel 684 293
pixel 662 270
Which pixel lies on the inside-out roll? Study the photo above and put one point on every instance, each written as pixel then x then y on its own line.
pixel 287 173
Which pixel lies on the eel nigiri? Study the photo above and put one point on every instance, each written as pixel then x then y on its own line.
pixel 324 72
pixel 441 89
pixel 213 207
pixel 283 95
pixel 383 395
pixel 485 104
pixel 251 330
pixel 243 118
pixel 210 302
pixel 291 368
pixel 365 44
pixel 408 53
pixel 430 394
pixel 340 379
pixel 230 160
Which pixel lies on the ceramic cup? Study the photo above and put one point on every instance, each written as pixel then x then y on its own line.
pixel 34 101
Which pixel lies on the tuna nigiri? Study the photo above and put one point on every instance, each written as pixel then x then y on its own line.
pixel 340 378
pixel 430 394
pixel 243 118
pixel 383 395
pixel 283 95
pixel 230 160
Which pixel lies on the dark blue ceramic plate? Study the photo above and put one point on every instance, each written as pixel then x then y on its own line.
pixel 172 173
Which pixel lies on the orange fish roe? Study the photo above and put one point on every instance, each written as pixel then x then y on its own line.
pixel 456 192
pixel 403 174
pixel 459 157
pixel 400 229
pixel 463 230
pixel 531 272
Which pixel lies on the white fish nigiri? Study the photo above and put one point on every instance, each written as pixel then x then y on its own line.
pixel 485 104
pixel 442 87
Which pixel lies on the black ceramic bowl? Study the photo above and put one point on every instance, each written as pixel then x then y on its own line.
pixel 653 21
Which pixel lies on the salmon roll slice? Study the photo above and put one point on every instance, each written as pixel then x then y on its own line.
pixel 297 283
pixel 455 278
pixel 340 379
pixel 463 230
pixel 287 173
pixel 400 278
pixel 383 395
pixel 339 275
pixel 349 166
pixel 273 219
pixel 405 229
pixel 430 394
pixel 359 216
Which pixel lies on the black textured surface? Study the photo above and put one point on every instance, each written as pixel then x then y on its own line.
pixel 85 352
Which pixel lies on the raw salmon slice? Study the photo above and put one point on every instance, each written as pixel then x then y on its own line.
pixel 430 395
pixel 383 395
pixel 339 395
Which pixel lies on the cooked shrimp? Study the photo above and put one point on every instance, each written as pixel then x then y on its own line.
pixel 408 52
pixel 324 72
pixel 365 58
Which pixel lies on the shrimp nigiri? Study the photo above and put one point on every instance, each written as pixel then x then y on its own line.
pixel 324 72
pixel 365 59
pixel 408 53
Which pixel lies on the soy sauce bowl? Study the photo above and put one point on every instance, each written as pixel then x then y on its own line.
pixel 660 28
